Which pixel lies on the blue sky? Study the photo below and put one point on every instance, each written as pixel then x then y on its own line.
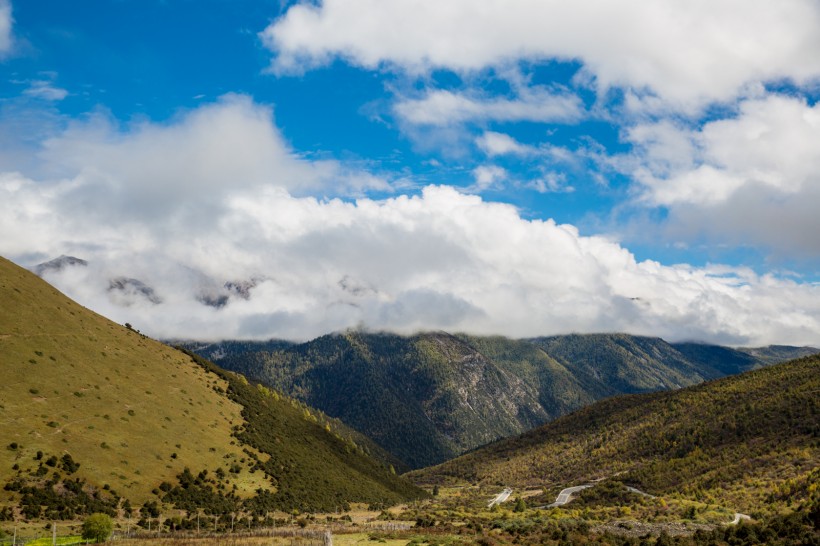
pixel 521 168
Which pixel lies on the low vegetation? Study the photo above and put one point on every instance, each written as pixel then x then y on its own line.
pixel 607 514
pixel 748 441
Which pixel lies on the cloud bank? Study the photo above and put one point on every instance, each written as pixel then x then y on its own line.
pixel 209 212
pixel 687 53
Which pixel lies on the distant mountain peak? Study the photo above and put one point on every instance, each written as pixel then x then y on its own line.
pixel 128 290
pixel 58 264
pixel 213 299
pixel 241 288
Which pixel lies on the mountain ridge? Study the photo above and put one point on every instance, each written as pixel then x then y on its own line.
pixel 429 397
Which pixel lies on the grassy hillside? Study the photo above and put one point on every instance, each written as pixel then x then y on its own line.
pixel 430 397
pixel 134 413
pixel 750 441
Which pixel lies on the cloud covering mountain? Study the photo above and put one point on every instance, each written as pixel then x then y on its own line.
pixel 196 213
pixel 518 168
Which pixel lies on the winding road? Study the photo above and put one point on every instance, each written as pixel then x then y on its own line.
pixel 639 492
pixel 566 494
pixel 501 497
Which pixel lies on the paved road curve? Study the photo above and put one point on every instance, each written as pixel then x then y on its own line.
pixel 501 497
pixel 566 495
pixel 639 492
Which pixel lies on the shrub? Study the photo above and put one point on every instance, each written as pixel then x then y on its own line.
pixel 98 527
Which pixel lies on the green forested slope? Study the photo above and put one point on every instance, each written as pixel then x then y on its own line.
pixel 425 399
pixel 750 441
pixel 619 363
pixel 433 396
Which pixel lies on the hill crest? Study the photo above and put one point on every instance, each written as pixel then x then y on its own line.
pixel 132 413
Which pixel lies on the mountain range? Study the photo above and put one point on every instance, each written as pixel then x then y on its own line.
pixel 433 396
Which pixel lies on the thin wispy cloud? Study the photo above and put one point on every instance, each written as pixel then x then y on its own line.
pixel 45 90
pixel 442 107
pixel 493 144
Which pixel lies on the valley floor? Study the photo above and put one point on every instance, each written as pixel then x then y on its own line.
pixel 603 514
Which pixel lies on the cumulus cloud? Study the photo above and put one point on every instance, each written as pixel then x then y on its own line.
pixel 440 260
pixel 750 178
pixel 145 170
pixel 771 143
pixel 6 23
pixel 171 217
pixel 487 176
pixel 687 53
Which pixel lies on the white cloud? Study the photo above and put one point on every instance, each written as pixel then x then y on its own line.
pixel 45 90
pixel 495 144
pixel 442 107
pixel 750 179
pixel 213 197
pixel 550 182
pixel 552 163
pixel 6 23
pixel 487 176
pixel 688 53
pixel 147 169
pixel 439 260
pixel 771 144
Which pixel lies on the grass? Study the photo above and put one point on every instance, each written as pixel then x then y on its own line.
pixel 61 541
pixel 135 413
pixel 366 538
pixel 88 376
